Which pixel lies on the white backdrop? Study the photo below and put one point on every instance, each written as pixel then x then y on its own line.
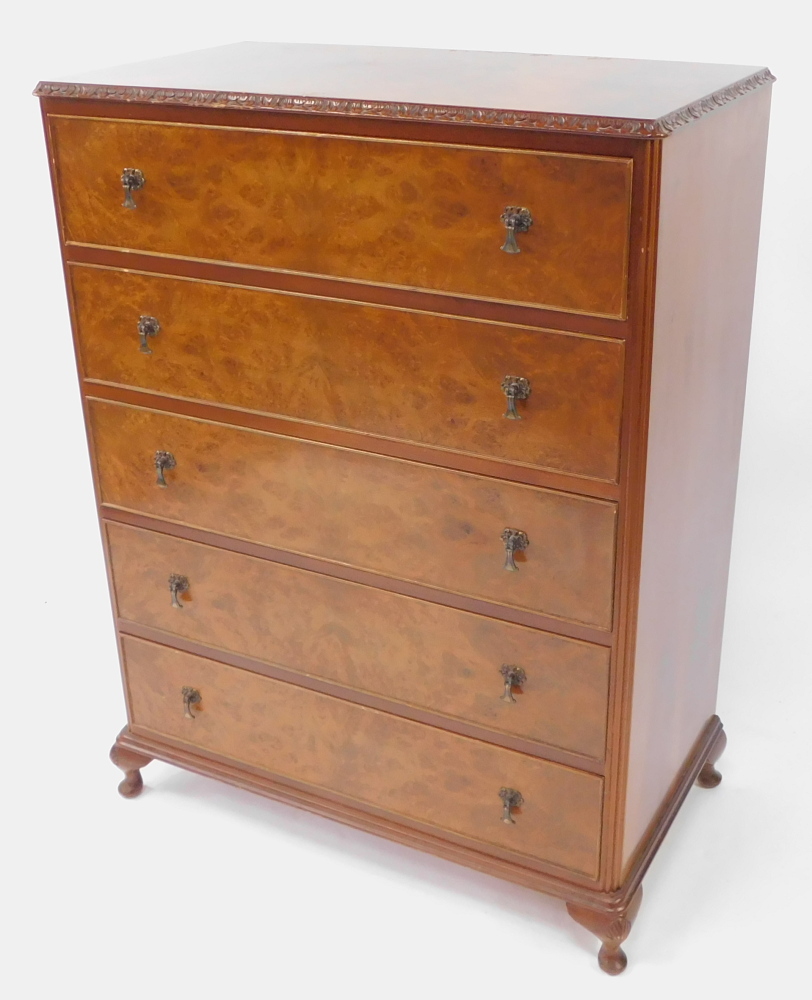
pixel 199 889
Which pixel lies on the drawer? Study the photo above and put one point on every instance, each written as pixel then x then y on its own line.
pixel 391 212
pixel 415 772
pixel 410 651
pixel 402 519
pixel 411 376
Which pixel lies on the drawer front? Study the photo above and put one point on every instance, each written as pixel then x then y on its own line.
pixel 415 377
pixel 410 651
pixel 423 215
pixel 405 520
pixel 405 768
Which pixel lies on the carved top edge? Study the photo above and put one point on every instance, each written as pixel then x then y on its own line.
pixel 639 128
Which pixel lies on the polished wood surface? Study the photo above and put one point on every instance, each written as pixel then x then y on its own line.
pixel 410 651
pixel 709 776
pixel 340 289
pixel 340 571
pixel 578 93
pixel 130 763
pixel 710 203
pixel 383 703
pixel 385 372
pixel 400 519
pixel 401 767
pixel 494 861
pixel 326 495
pixel 612 928
pixel 530 475
pixel 414 214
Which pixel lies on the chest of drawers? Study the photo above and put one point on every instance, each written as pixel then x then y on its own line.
pixel 413 383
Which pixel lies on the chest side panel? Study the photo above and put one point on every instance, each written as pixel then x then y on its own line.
pixel 710 207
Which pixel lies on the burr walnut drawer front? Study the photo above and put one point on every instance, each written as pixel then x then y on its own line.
pixel 516 680
pixel 516 545
pixel 421 215
pixel 423 378
pixel 419 773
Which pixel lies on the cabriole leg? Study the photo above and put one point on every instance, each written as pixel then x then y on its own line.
pixel 709 777
pixel 612 927
pixel 130 763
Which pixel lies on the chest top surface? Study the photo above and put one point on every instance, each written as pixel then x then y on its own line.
pixel 565 93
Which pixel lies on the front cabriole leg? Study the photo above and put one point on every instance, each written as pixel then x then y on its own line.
pixel 612 927
pixel 130 763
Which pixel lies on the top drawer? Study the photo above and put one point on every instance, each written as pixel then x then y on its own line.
pixel 391 212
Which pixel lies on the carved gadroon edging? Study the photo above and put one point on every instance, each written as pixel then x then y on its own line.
pixel 641 128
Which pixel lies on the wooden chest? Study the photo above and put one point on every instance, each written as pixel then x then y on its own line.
pixel 413 383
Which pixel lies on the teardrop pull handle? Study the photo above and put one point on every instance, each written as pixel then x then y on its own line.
pixel 511 799
pixel 163 460
pixel 132 180
pixel 148 326
pixel 515 220
pixel 191 696
pixel 178 585
pixel 514 387
pixel 514 541
pixel 513 677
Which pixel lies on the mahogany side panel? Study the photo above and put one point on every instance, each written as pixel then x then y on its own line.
pixel 411 651
pixel 406 375
pixel 405 768
pixel 383 211
pixel 710 204
pixel 400 519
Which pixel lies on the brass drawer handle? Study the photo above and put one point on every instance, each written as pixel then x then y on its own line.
pixel 148 326
pixel 191 696
pixel 515 541
pixel 163 460
pixel 514 677
pixel 516 220
pixel 514 387
pixel 511 799
pixel 132 180
pixel 178 585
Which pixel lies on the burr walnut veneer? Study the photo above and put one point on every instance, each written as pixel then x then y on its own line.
pixel 413 383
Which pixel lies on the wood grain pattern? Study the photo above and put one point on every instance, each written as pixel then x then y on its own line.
pixel 534 875
pixel 339 571
pixel 411 651
pixel 355 440
pixel 398 518
pixel 414 238
pixel 405 768
pixel 710 204
pixel 405 375
pixel 419 215
pixel 388 296
pixel 382 703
